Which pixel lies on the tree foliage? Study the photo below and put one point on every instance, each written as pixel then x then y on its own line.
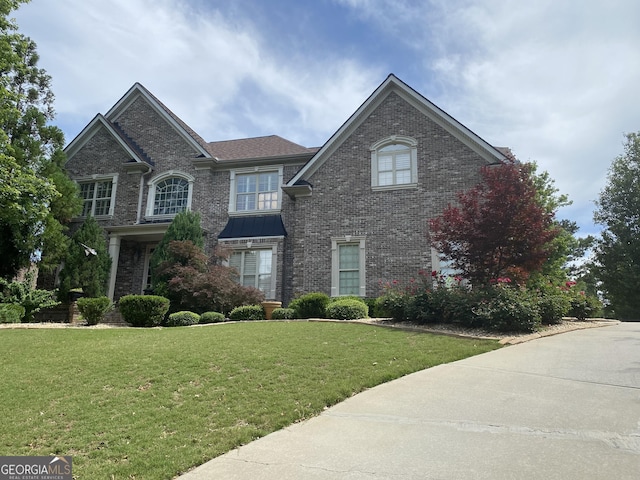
pixel 503 227
pixel 37 198
pixel 199 284
pixel 617 253
pixel 566 250
pixel 87 264
pixel 185 226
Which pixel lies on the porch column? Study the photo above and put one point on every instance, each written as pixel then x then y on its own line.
pixel 114 253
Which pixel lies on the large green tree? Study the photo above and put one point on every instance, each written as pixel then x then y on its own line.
pixel 617 254
pixel 87 263
pixel 37 198
pixel 566 250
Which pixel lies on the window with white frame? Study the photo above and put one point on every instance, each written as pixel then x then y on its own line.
pixel 255 190
pixel 348 266
pixel 255 269
pixel 394 163
pixel 169 194
pixel 98 195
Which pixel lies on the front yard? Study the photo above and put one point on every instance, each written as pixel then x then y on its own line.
pixel 152 403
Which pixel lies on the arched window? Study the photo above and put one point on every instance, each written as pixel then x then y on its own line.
pixel 169 194
pixel 394 163
pixel 172 195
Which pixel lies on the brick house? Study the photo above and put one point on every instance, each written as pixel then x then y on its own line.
pixel 336 219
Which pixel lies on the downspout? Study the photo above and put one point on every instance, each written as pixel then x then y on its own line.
pixel 140 194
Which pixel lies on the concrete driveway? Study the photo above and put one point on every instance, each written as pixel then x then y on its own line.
pixel 562 407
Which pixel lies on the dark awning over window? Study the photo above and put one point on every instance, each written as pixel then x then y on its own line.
pixel 258 226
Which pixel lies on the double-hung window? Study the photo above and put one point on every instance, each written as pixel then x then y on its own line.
pixel 254 269
pixel 98 196
pixel 348 267
pixel 394 163
pixel 255 191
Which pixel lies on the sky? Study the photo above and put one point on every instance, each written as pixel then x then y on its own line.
pixel 555 80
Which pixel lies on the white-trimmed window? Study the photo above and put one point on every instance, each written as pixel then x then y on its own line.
pixel 348 266
pixel 255 190
pixel 98 195
pixel 394 163
pixel 169 194
pixel 256 268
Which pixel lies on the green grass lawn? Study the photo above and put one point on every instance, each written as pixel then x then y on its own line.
pixel 153 403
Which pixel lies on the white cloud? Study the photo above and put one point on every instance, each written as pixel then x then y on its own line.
pixel 215 71
pixel 554 80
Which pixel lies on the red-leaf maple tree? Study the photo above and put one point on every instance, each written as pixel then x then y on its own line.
pixel 498 229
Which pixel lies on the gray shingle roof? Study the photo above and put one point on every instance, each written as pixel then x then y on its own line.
pixel 256 147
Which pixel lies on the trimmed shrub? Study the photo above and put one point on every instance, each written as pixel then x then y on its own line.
pixel 143 310
pixel 348 297
pixel 247 312
pixel 310 305
pixel 93 309
pixel 283 314
pixel 11 313
pixel 505 309
pixel 182 319
pixel 347 309
pixel 212 317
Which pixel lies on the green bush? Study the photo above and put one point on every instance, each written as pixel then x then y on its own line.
pixel 393 305
pixel 310 305
pixel 212 317
pixel 93 309
pixel 371 305
pixel 31 299
pixel 143 310
pixel 11 313
pixel 182 319
pixel 247 312
pixel 506 309
pixel 347 309
pixel 283 314
pixel 553 306
pixel 584 306
pixel 422 309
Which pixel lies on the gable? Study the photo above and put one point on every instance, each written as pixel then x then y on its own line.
pixel 134 120
pixel 151 126
pixel 100 124
pixel 393 86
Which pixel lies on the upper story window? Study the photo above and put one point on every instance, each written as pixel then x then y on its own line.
pixel 172 196
pixel 394 163
pixel 254 191
pixel 98 195
pixel 169 194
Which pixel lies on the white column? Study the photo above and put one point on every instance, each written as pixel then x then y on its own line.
pixel 114 253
